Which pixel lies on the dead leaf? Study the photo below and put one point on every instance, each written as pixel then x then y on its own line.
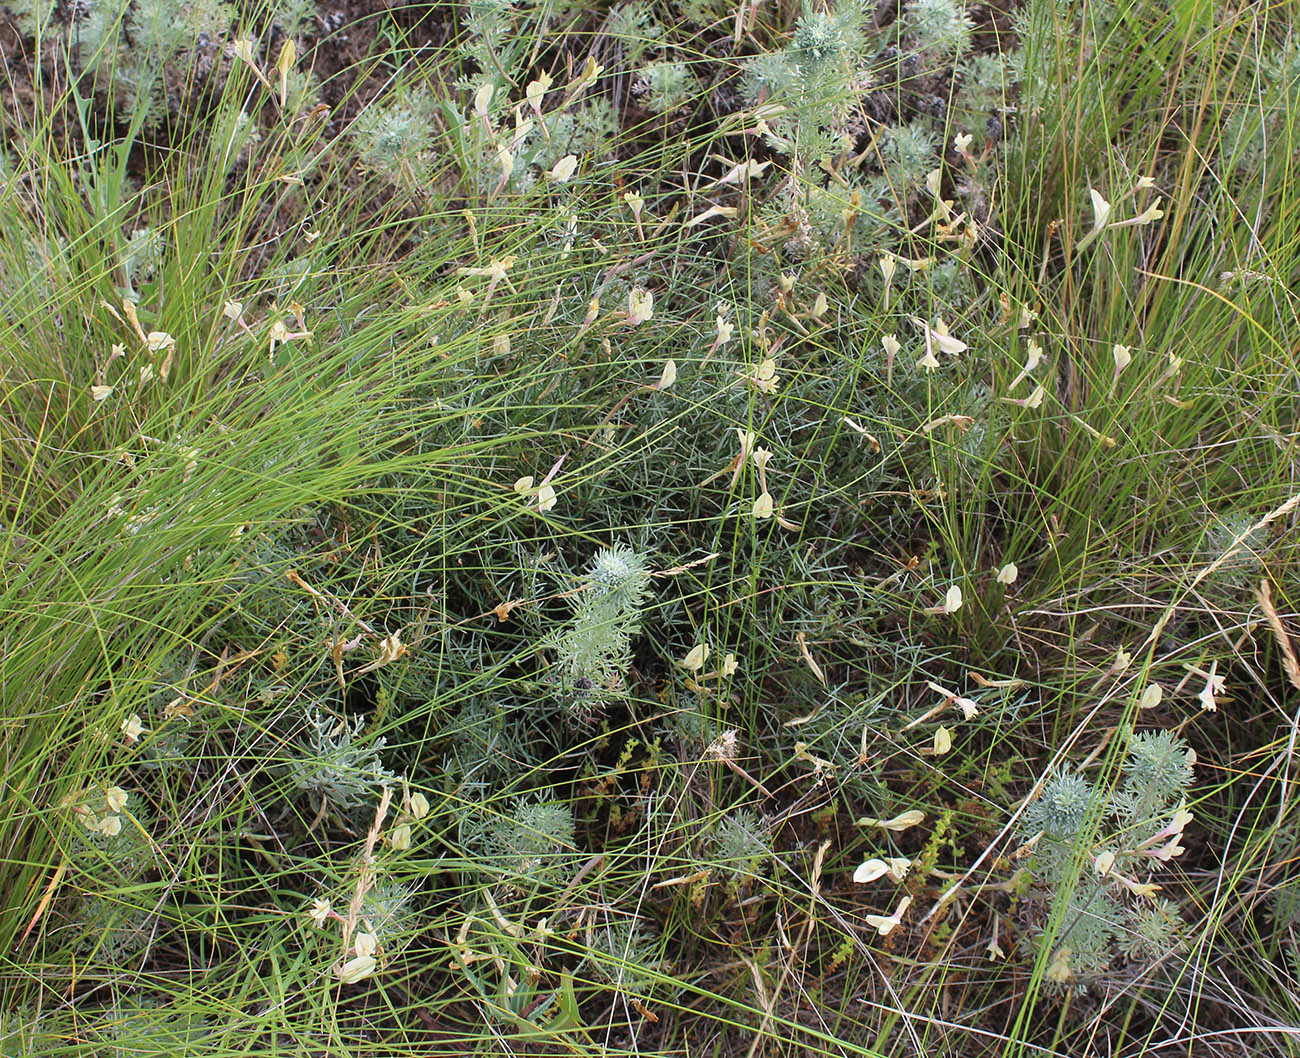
pixel 1289 663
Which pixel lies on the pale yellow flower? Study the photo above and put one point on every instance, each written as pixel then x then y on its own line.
pixel 109 826
pixel 763 506
pixel 640 306
pixel 1058 971
pixel 115 798
pixel 564 169
pixel 696 657
pixel 870 871
pixel 536 90
pixel 668 376
pixel 419 806
pixel 1151 696
pixel 1008 573
pixel 100 393
pixel 942 741
pixel 357 969
pixel 132 728
pixel 969 708
pixel 158 341
pixel 546 498
pixel 1214 684
pixel 400 837
pixel 886 924
pixel 1100 209
pixel 902 821
pixel 320 912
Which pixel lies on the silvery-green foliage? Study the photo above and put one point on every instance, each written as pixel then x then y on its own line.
pixel 144 1027
pixel 808 87
pixel 594 651
pixel 165 36
pixel 1072 823
pixel 335 766
pixel 625 953
pixel 740 845
pixel 532 841
pixel 1157 775
pixel 394 138
pixel 1237 549
pixel 1152 930
pixel 94 27
pixel 938 28
pixel 34 17
pixel 910 151
pixel 635 27
pixel 388 913
pixel 666 85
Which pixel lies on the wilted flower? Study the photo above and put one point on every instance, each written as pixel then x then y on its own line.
pixel 100 393
pixel 725 747
pixel 320 912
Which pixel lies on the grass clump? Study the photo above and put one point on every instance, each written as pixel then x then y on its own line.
pixel 543 527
